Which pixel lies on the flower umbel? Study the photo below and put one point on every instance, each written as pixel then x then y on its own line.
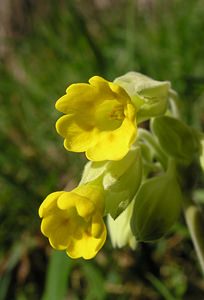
pixel 73 221
pixel 99 119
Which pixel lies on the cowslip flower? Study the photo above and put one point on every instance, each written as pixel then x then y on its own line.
pixel 99 119
pixel 73 221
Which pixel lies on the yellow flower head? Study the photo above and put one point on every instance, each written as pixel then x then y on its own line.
pixel 99 119
pixel 73 221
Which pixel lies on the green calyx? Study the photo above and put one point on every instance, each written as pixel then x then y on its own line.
pixel 157 206
pixel 149 96
pixel 120 188
pixel 119 179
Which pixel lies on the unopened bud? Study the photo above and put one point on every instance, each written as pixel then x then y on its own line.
pixel 157 207
pixel 176 138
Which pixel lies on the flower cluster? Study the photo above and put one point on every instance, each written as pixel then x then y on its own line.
pixel 73 221
pixel 102 119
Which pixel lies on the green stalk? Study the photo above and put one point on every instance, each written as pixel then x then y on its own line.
pixel 195 222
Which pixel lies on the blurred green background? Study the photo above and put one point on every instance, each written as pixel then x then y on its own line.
pixel 44 47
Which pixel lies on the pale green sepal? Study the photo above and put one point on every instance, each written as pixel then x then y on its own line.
pixel 92 171
pixel 149 96
pixel 119 229
pixel 176 138
pixel 116 169
pixel 157 207
pixel 120 180
pixel 120 190
pixel 111 171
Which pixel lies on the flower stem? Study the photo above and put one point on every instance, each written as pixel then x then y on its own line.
pixel 195 222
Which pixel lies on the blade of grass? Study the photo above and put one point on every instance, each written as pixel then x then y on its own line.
pixel 4 285
pixel 160 287
pixel 13 259
pixel 96 289
pixel 59 268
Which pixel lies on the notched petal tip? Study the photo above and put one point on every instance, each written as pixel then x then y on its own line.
pixel 97 227
pixel 49 200
pixel 66 200
pixel 86 248
pixel 75 87
pixel 61 125
pixel 60 104
pixel 95 80
pixel 84 207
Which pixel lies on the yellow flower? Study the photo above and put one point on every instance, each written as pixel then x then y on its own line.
pixel 99 119
pixel 73 221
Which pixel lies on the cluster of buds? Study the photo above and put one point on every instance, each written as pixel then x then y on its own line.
pixel 133 172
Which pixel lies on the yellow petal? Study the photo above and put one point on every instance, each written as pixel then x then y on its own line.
pixel 67 200
pixel 97 226
pixel 119 93
pixel 58 228
pixel 56 219
pixel 49 202
pixel 109 90
pixel 60 238
pixel 83 96
pixel 79 97
pixel 98 80
pixel 130 112
pixel 84 207
pixel 113 145
pixel 78 137
pixel 92 192
pixel 87 247
pixel 103 88
pixel 48 224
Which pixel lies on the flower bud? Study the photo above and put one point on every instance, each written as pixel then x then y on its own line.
pixel 157 206
pixel 176 138
pixel 149 96
pixel 119 229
